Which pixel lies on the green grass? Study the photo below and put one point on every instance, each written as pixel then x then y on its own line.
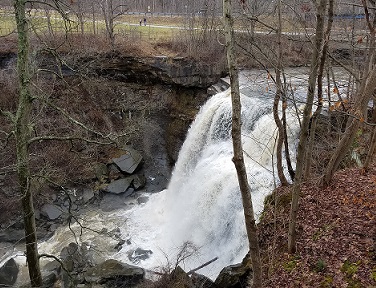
pixel 7 24
pixel 122 28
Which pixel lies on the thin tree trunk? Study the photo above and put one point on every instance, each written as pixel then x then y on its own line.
pixel 81 17
pixel 94 19
pixel 286 142
pixel 349 136
pixel 238 158
pixel 277 98
pixel 305 126
pixel 22 135
pixel 320 75
pixel 366 91
pixel 372 143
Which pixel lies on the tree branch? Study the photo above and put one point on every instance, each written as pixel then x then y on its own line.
pixel 65 138
pixel 202 266
pixel 77 123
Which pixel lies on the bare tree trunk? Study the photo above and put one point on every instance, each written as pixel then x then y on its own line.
pixel 286 142
pixel 94 18
pixel 372 143
pixel 349 136
pixel 47 12
pixel 108 14
pixel 320 75
pixel 22 135
pixel 304 133
pixel 81 16
pixel 238 158
pixel 366 91
pixel 277 98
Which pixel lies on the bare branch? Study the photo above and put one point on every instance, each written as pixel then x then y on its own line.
pixel 77 123
pixel 348 69
pixel 65 138
pixel 202 266
pixel 256 19
pixel 58 7
pixel 58 260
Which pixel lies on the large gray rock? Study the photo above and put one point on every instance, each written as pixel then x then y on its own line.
pixel 12 235
pixel 120 186
pixel 87 195
pixel 115 274
pixel 51 211
pixel 8 273
pixel 139 181
pixel 129 161
pixel 76 259
pixel 233 276
pixel 139 254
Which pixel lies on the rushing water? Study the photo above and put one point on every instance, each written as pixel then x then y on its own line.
pixel 202 206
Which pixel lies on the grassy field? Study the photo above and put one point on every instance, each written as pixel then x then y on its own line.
pixel 125 26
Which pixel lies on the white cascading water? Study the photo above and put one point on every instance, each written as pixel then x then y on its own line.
pixel 202 205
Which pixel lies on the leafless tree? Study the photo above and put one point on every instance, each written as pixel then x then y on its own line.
pixel 238 158
pixel 304 131
pixel 364 94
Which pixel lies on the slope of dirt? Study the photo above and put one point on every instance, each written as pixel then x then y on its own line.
pixel 336 244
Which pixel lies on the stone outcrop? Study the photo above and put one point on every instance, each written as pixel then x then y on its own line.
pixel 233 276
pixel 160 69
pixel 115 274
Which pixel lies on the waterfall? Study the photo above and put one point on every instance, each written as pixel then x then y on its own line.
pixel 202 205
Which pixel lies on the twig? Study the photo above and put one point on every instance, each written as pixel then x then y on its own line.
pixel 58 260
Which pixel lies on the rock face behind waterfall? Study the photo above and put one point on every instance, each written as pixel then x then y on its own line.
pixel 170 70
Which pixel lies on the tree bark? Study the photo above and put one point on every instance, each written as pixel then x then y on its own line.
pixel 372 143
pixel 350 133
pixel 286 142
pixel 304 133
pixel 277 98
pixel 311 139
pixel 366 91
pixel 22 135
pixel 238 158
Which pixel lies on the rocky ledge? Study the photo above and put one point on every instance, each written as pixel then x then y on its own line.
pixel 178 71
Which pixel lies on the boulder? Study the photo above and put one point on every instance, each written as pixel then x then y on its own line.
pixel 139 181
pixel 51 211
pixel 76 258
pixel 128 162
pixel 87 195
pixel 8 273
pixel 12 235
pixel 233 276
pixel 49 278
pixel 139 254
pixel 115 274
pixel 120 186
pixel 201 281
